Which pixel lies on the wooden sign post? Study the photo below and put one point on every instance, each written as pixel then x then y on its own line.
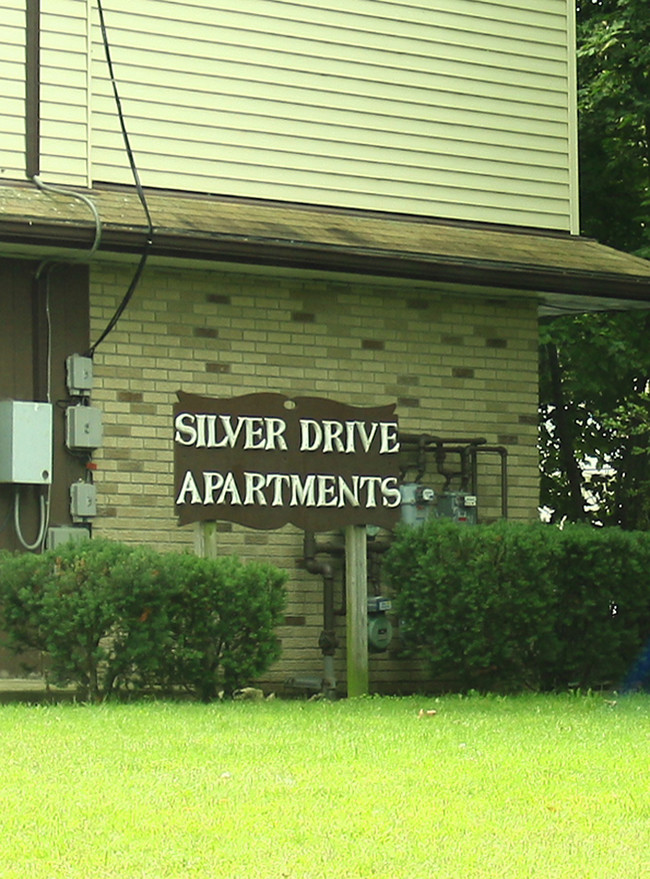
pixel 357 609
pixel 205 540
pixel 265 460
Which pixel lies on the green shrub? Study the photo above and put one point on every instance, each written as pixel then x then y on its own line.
pixel 81 605
pixel 513 606
pixel 110 616
pixel 221 620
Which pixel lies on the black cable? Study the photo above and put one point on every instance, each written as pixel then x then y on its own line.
pixel 136 177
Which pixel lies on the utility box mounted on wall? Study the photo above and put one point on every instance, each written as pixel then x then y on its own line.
pixel 79 375
pixel 83 501
pixel 61 534
pixel 83 427
pixel 25 442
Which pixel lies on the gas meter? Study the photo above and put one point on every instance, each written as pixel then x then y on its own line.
pixel 458 506
pixel 418 503
pixel 380 629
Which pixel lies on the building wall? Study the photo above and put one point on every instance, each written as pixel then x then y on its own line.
pixel 66 91
pixel 454 365
pixel 12 83
pixel 42 324
pixel 458 109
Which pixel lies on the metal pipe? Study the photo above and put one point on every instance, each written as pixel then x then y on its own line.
pixel 465 447
pixel 327 641
pixel 468 449
pixel 502 451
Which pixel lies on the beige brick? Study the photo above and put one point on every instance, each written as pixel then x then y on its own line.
pixel 425 335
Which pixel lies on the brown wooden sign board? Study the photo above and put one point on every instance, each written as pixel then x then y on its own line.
pixel 264 460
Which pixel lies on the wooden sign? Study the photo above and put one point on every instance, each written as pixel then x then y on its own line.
pixel 264 460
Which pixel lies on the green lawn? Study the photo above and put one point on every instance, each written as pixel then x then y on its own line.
pixel 526 786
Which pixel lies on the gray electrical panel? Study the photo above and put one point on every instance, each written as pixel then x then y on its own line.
pixel 25 442
pixel 83 427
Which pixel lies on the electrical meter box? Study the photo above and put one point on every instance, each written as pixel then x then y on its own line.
pixel 25 442
pixel 83 501
pixel 79 375
pixel 83 427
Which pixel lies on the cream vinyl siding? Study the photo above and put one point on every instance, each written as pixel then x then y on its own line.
pixel 65 93
pixel 12 90
pixel 451 108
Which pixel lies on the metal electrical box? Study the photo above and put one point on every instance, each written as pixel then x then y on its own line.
pixel 61 534
pixel 79 375
pixel 25 442
pixel 83 501
pixel 83 427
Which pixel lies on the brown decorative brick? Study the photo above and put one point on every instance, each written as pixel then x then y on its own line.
pixel 210 366
pixel 117 429
pixel 303 317
pixel 206 333
pixel 256 539
pixel 218 299
pixel 132 466
pixel 462 372
pixel 372 345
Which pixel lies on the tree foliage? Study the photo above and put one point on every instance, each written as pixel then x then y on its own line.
pixel 595 368
pixel 614 120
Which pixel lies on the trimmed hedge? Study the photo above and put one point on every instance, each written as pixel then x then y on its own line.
pixel 111 617
pixel 522 606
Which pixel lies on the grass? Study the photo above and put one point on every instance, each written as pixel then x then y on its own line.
pixel 527 786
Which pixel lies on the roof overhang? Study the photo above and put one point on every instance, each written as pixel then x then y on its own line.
pixel 567 273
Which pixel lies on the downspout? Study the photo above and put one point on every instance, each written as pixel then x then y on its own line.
pixel 32 88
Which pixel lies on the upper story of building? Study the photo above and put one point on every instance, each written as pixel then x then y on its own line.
pixel 450 109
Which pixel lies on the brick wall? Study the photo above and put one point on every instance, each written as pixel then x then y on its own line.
pixel 455 365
